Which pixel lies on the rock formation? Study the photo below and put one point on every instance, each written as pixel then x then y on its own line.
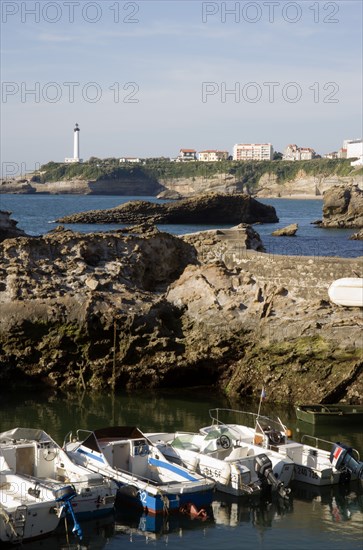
pixel 288 231
pixel 357 236
pixel 8 227
pixel 343 207
pixel 212 208
pixel 197 310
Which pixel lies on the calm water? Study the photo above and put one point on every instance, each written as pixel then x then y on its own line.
pixel 36 214
pixel 313 519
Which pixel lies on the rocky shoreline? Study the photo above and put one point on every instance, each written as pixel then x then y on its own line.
pixel 210 208
pixel 205 309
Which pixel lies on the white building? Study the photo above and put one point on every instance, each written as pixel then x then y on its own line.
pixel 293 152
pixel 212 155
pixel 253 151
pixel 354 150
pixel 187 155
pixel 130 159
pixel 75 157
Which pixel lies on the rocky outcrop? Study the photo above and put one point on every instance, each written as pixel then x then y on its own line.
pixel 288 231
pixel 343 207
pixel 197 310
pixel 8 227
pixel 169 195
pixel 212 208
pixel 357 236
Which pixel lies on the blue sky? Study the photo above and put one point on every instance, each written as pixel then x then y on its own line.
pixel 151 77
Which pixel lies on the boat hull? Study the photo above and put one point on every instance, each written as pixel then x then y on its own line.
pixel 347 292
pixel 324 415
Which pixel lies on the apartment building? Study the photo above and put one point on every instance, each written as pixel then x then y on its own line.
pixel 253 151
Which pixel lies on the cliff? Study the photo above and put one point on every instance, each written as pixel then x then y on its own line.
pixel 263 178
pixel 343 207
pixel 199 310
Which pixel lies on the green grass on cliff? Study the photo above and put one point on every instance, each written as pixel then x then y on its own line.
pixel 248 173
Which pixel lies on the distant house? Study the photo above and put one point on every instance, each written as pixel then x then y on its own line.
pixel 187 155
pixel 293 152
pixel 253 151
pixel 212 155
pixel 130 159
pixel 333 155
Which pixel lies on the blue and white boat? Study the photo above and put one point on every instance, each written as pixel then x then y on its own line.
pixel 143 474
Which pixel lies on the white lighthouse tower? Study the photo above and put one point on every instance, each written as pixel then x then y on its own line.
pixel 75 157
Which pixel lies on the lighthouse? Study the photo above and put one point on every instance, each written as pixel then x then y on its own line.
pixel 76 143
pixel 75 157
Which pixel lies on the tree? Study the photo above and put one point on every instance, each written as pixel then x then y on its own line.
pixel 277 156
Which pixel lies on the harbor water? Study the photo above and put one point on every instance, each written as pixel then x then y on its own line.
pixel 330 518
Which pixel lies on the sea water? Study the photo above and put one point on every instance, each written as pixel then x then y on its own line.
pixel 37 214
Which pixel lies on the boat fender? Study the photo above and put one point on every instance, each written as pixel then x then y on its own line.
pixel 225 474
pixel 191 510
pixel 191 463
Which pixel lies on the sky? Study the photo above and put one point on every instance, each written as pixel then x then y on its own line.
pixel 147 78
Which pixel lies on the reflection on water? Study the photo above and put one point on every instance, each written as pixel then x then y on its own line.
pixel 309 508
pixel 330 517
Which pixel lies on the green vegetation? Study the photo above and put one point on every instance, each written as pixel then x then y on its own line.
pixel 248 173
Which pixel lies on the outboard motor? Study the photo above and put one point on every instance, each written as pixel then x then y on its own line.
pixel 66 495
pixel 342 459
pixel 264 471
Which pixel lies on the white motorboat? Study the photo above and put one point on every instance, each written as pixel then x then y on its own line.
pixel 238 468
pixel 312 463
pixel 26 510
pixel 144 476
pixel 33 454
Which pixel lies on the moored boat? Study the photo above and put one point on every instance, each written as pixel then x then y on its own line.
pixel 144 476
pixel 321 414
pixel 237 468
pixel 27 511
pixel 312 463
pixel 34 454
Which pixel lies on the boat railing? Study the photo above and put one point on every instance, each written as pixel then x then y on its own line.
pixel 253 418
pixel 318 440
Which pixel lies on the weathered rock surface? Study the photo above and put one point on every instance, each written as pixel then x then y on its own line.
pixel 197 310
pixel 8 227
pixel 357 236
pixel 288 231
pixel 212 208
pixel 343 207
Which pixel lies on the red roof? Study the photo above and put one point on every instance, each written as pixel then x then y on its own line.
pixel 187 150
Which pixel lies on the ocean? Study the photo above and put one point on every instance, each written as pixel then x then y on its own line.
pixel 37 214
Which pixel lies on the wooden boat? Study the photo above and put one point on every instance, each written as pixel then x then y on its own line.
pixel 347 292
pixel 237 468
pixel 313 464
pixel 143 475
pixel 329 414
